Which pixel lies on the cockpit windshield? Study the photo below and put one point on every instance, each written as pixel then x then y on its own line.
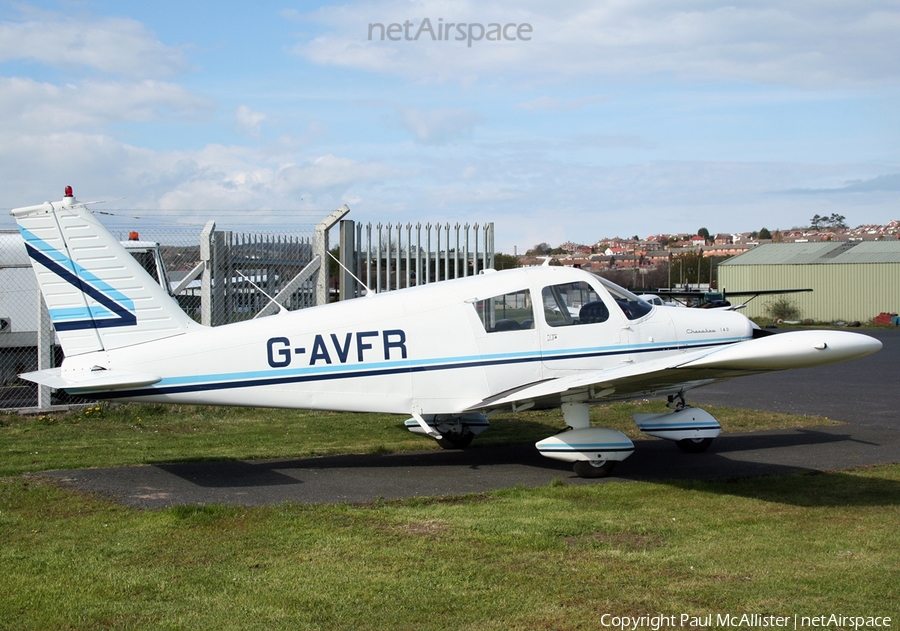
pixel 632 306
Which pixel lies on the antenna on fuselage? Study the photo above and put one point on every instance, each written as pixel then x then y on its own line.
pixel 369 290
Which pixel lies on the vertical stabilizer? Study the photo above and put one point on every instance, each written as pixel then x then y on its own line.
pixel 99 297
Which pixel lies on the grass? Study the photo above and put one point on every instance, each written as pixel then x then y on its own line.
pixel 106 436
pixel 556 557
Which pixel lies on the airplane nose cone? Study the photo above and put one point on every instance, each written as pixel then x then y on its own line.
pixel 861 345
pixel 825 347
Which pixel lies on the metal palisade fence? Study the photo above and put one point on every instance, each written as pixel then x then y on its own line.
pixel 393 256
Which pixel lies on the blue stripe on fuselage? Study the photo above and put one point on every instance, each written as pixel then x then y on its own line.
pixel 227 381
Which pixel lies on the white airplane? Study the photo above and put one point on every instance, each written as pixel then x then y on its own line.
pixel 447 354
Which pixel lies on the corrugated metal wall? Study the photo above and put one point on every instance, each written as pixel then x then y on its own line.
pixel 858 291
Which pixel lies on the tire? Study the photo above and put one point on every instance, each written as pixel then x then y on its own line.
pixel 594 469
pixel 694 445
pixel 456 440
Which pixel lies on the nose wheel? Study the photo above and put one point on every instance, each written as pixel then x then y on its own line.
pixel 694 445
pixel 459 438
pixel 594 468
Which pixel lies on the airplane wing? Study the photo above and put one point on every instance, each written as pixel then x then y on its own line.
pixel 693 293
pixel 688 370
pixel 766 292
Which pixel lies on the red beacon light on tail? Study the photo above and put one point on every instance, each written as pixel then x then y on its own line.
pixel 69 192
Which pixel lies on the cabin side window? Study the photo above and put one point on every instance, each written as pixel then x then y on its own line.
pixel 507 312
pixel 632 306
pixel 573 303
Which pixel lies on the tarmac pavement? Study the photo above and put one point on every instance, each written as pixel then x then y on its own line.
pixel 863 391
pixel 859 392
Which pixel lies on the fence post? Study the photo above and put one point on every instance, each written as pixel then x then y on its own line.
pixel 475 259
pixel 349 287
pixel 44 348
pixel 489 245
pixel 447 255
pixel 428 253
pixel 320 248
pixel 456 253
pixel 206 278
pixel 408 254
pixel 397 275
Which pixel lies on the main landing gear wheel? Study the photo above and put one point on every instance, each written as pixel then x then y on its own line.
pixel 694 445
pixel 456 439
pixel 594 468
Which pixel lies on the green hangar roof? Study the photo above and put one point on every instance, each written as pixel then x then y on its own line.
pixel 819 253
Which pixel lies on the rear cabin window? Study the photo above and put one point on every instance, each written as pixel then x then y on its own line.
pixel 507 312
pixel 573 303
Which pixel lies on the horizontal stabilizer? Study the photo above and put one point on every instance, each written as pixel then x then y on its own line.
pixel 103 379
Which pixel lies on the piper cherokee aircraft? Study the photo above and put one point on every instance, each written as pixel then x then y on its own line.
pixel 446 354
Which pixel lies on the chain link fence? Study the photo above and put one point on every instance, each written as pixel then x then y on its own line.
pixel 217 277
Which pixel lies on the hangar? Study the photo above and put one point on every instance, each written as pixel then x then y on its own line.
pixel 851 280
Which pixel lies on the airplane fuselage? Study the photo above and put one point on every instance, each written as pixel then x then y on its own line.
pixel 435 347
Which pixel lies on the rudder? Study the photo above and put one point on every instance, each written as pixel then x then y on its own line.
pixel 99 297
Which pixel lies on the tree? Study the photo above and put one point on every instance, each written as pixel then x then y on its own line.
pixel 764 234
pixel 505 261
pixel 541 249
pixel 815 221
pixel 836 221
pixel 703 232
pixel 782 309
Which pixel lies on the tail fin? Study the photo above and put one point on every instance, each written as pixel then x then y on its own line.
pixel 99 297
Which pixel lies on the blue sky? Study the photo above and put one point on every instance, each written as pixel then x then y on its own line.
pixel 614 118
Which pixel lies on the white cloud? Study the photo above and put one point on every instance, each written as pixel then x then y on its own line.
pixel 114 45
pixel 27 105
pixel 556 104
pixel 330 172
pixel 526 196
pixel 769 42
pixel 249 121
pixel 439 126
pixel 37 166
